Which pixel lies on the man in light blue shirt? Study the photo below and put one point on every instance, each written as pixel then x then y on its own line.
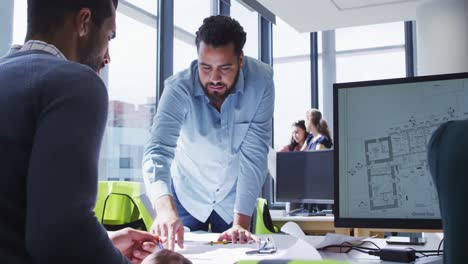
pixel 207 157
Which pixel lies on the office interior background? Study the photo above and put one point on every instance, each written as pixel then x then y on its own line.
pixel 157 38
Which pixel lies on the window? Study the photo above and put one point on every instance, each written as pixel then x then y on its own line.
pixel 184 54
pixel 249 21
pixel 370 52
pixel 126 163
pixel 287 42
pixel 188 17
pixel 147 5
pixel 291 63
pixel 130 162
pixel 359 54
pixel 383 64
pixel 132 92
pixel 371 36
pixel 20 20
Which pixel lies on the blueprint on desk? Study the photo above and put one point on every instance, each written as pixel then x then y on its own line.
pixel 384 133
pixel 199 251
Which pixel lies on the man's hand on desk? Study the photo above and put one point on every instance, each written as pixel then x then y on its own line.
pixel 167 223
pixel 134 244
pixel 236 234
pixel 239 230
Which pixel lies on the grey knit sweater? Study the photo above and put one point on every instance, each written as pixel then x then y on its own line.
pixel 52 117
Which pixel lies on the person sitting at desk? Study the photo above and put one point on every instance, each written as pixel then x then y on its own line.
pixel 166 256
pixel 54 111
pixel 298 137
pixel 319 135
pixel 447 156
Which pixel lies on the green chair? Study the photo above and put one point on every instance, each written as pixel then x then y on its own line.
pixel 119 205
pixel 263 224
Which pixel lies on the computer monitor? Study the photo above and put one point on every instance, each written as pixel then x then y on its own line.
pixel 381 131
pixel 305 177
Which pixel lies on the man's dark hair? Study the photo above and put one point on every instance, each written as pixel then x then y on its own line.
pixel 221 30
pixel 46 16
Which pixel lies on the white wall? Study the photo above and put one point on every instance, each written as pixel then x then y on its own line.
pixel 442 37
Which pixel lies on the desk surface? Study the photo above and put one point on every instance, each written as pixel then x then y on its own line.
pixel 322 224
pixel 199 252
pixel 315 225
pixel 327 218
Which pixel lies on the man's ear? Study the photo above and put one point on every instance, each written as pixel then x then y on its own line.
pixel 83 21
pixel 241 59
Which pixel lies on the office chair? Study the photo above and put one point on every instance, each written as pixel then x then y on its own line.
pixel 263 223
pixel 119 205
pixel 447 152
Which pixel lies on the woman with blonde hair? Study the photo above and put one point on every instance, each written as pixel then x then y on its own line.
pixel 319 135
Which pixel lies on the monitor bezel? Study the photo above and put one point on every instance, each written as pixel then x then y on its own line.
pixel 394 223
pixel 305 200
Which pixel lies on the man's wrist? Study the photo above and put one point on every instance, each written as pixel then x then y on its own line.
pixel 242 220
pixel 164 204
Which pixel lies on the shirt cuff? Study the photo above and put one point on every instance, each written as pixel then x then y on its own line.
pixel 246 207
pixel 158 189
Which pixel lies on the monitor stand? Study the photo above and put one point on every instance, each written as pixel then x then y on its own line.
pixel 403 240
pixel 306 211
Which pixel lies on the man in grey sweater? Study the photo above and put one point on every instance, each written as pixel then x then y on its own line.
pixel 53 109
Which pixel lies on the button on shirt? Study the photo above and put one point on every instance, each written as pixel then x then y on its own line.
pixel 217 160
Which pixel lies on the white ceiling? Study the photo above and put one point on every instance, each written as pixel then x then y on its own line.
pixel 318 15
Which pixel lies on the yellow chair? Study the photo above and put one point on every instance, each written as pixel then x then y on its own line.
pixel 263 223
pixel 119 205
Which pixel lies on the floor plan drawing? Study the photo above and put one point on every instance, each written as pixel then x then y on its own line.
pixel 397 159
pixel 383 136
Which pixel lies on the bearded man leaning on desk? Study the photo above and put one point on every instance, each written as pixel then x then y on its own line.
pixel 207 157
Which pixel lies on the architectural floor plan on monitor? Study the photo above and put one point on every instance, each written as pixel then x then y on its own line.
pixel 387 130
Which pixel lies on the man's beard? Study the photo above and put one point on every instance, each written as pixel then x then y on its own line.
pixel 217 97
pixel 90 53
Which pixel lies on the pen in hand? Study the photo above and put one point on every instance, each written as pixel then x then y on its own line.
pixel 160 246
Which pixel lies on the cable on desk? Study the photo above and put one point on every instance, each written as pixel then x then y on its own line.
pixel 362 243
pixel 419 252
pixel 432 255
pixel 440 244
pixel 346 248
pixel 423 252
pixel 387 254
pixel 351 246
